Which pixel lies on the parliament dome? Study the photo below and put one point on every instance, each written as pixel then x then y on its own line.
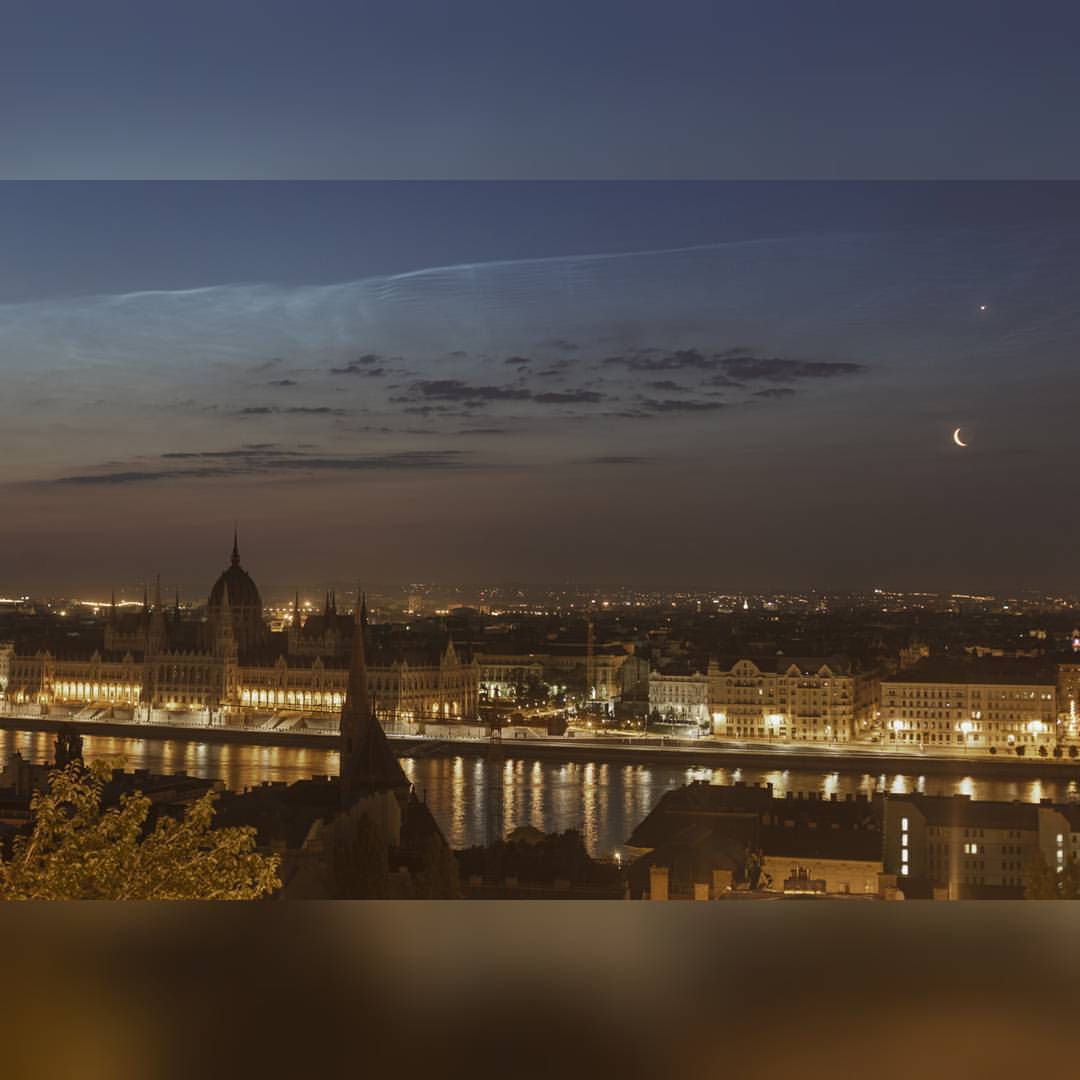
pixel 245 603
pixel 243 592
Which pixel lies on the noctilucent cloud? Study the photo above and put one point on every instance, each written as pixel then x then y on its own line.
pixel 736 385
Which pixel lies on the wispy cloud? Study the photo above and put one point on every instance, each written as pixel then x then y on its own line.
pixel 291 410
pixel 265 463
pixel 750 368
pixel 671 405
pixel 361 365
pixel 456 390
pixel 615 459
pixel 569 397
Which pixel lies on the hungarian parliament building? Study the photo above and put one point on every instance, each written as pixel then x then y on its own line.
pixel 231 663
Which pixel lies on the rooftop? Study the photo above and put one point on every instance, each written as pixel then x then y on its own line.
pixel 989 670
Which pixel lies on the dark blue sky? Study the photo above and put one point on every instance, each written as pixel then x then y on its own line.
pixel 739 385
pixel 485 88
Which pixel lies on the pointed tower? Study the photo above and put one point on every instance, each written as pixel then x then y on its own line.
pixel 156 635
pixel 225 650
pixel 368 765
pixel 112 609
pixel 225 636
pixel 235 547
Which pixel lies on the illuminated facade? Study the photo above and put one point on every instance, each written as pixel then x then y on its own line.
pixel 975 704
pixel 230 665
pixel 787 699
pixel 1068 695
pixel 953 847
pixel 607 675
pixel 502 673
pixel 679 695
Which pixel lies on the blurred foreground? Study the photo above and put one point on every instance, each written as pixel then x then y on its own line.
pixel 458 989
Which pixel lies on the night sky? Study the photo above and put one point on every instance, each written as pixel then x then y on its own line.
pixel 522 90
pixel 739 385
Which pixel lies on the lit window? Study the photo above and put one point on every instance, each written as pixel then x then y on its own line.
pixel 904 839
pixel 904 869
pixel 904 855
pixel 904 824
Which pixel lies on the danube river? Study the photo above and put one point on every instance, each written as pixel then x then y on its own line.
pixel 474 800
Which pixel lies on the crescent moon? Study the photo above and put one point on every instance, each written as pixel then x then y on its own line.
pixel 956 438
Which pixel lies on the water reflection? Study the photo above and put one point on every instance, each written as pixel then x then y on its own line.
pixel 475 800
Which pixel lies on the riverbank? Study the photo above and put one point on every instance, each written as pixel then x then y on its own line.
pixel 686 754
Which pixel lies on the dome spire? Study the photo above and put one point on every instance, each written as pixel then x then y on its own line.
pixel 235 546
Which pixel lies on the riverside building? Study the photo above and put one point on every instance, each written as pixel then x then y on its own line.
pixel 230 665
pixel 990 703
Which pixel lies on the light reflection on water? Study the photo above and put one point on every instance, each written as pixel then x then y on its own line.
pixel 473 800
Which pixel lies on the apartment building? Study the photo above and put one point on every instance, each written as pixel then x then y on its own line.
pixel 990 703
pixel 791 699
pixel 954 848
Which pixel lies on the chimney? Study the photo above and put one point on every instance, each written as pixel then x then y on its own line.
pixel 658 882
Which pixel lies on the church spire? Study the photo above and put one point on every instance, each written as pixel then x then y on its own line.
pixel 367 762
pixel 235 546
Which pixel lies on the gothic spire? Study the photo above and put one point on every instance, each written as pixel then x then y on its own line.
pixel 367 762
pixel 235 546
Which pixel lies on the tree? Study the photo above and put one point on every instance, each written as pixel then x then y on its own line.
pixel 1043 882
pixel 76 850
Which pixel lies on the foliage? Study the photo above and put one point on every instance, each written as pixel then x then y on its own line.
pixel 78 850
pixel 531 690
pixel 1043 882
